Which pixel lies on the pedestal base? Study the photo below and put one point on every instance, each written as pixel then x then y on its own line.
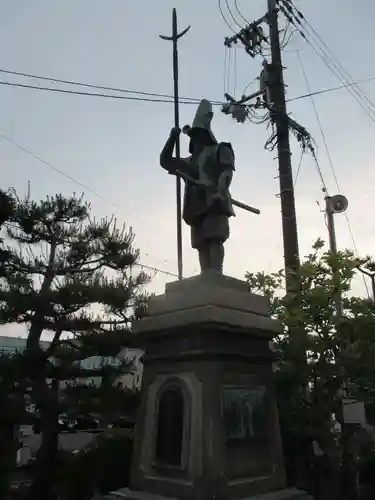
pixel 286 494
pixel 208 425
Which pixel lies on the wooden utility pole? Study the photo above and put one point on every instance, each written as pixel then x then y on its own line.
pixel 252 37
pixel 280 118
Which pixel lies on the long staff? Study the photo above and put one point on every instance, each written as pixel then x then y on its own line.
pixel 174 38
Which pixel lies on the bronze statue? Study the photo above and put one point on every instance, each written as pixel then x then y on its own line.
pixel 208 173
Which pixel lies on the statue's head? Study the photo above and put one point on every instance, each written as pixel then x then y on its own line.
pixel 199 138
pixel 200 132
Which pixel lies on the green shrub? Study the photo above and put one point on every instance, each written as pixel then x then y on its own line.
pixel 367 472
pixel 103 466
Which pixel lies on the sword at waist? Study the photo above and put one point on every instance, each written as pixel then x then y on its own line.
pixel 236 203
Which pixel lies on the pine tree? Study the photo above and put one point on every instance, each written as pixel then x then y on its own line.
pixel 8 404
pixel 72 277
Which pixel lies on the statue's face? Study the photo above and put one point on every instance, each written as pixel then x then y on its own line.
pixel 198 140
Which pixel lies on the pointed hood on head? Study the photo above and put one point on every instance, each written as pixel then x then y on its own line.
pixel 202 120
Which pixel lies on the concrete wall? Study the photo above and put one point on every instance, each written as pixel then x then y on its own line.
pixel 67 441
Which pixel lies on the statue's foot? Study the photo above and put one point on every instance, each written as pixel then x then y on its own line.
pixel 211 272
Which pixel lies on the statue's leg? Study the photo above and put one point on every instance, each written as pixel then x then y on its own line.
pixel 199 243
pixel 216 255
pixel 215 233
pixel 204 257
pixel 208 237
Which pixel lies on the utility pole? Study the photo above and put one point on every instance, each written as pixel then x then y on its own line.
pixel 280 118
pixel 272 89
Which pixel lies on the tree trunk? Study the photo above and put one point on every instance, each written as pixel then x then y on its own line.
pixel 8 452
pixel 43 485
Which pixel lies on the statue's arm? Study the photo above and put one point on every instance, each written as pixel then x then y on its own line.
pixel 225 159
pixel 167 161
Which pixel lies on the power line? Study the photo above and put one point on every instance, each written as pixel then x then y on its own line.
pixel 349 85
pixel 138 264
pixel 331 89
pixel 61 172
pixel 91 85
pixel 231 14
pixel 329 60
pixel 318 121
pixel 153 268
pixel 298 168
pixel 330 162
pixel 71 178
pixel 341 70
pixel 339 65
pixel 223 16
pixel 239 12
pixel 92 94
pixel 164 98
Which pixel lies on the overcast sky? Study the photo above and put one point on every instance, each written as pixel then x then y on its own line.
pixel 112 146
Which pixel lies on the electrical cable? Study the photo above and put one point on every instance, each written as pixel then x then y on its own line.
pixel 138 264
pixel 231 14
pixel 239 12
pixel 234 73
pixel 330 161
pixel 169 99
pixel 224 18
pixel 90 85
pixel 292 16
pixel 229 70
pixel 71 178
pixel 56 169
pixel 93 94
pixel 331 89
pixel 350 86
pixel 334 58
pixel 282 41
pixel 298 168
pixel 225 70
pixel 249 84
pixel 334 66
pixel 286 43
pixel 156 269
pixel 317 118
pixel 320 173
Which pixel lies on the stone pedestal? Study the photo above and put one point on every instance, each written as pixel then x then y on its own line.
pixel 208 425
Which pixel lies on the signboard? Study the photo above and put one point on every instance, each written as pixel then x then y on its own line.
pixel 354 411
pixel 244 412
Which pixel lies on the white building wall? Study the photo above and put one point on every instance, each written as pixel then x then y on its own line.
pixel 130 380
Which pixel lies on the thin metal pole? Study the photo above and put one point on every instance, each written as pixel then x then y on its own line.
pixel 371 275
pixel 333 250
pixel 346 482
pixel 174 38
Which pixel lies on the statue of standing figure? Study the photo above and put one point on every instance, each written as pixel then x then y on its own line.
pixel 207 202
